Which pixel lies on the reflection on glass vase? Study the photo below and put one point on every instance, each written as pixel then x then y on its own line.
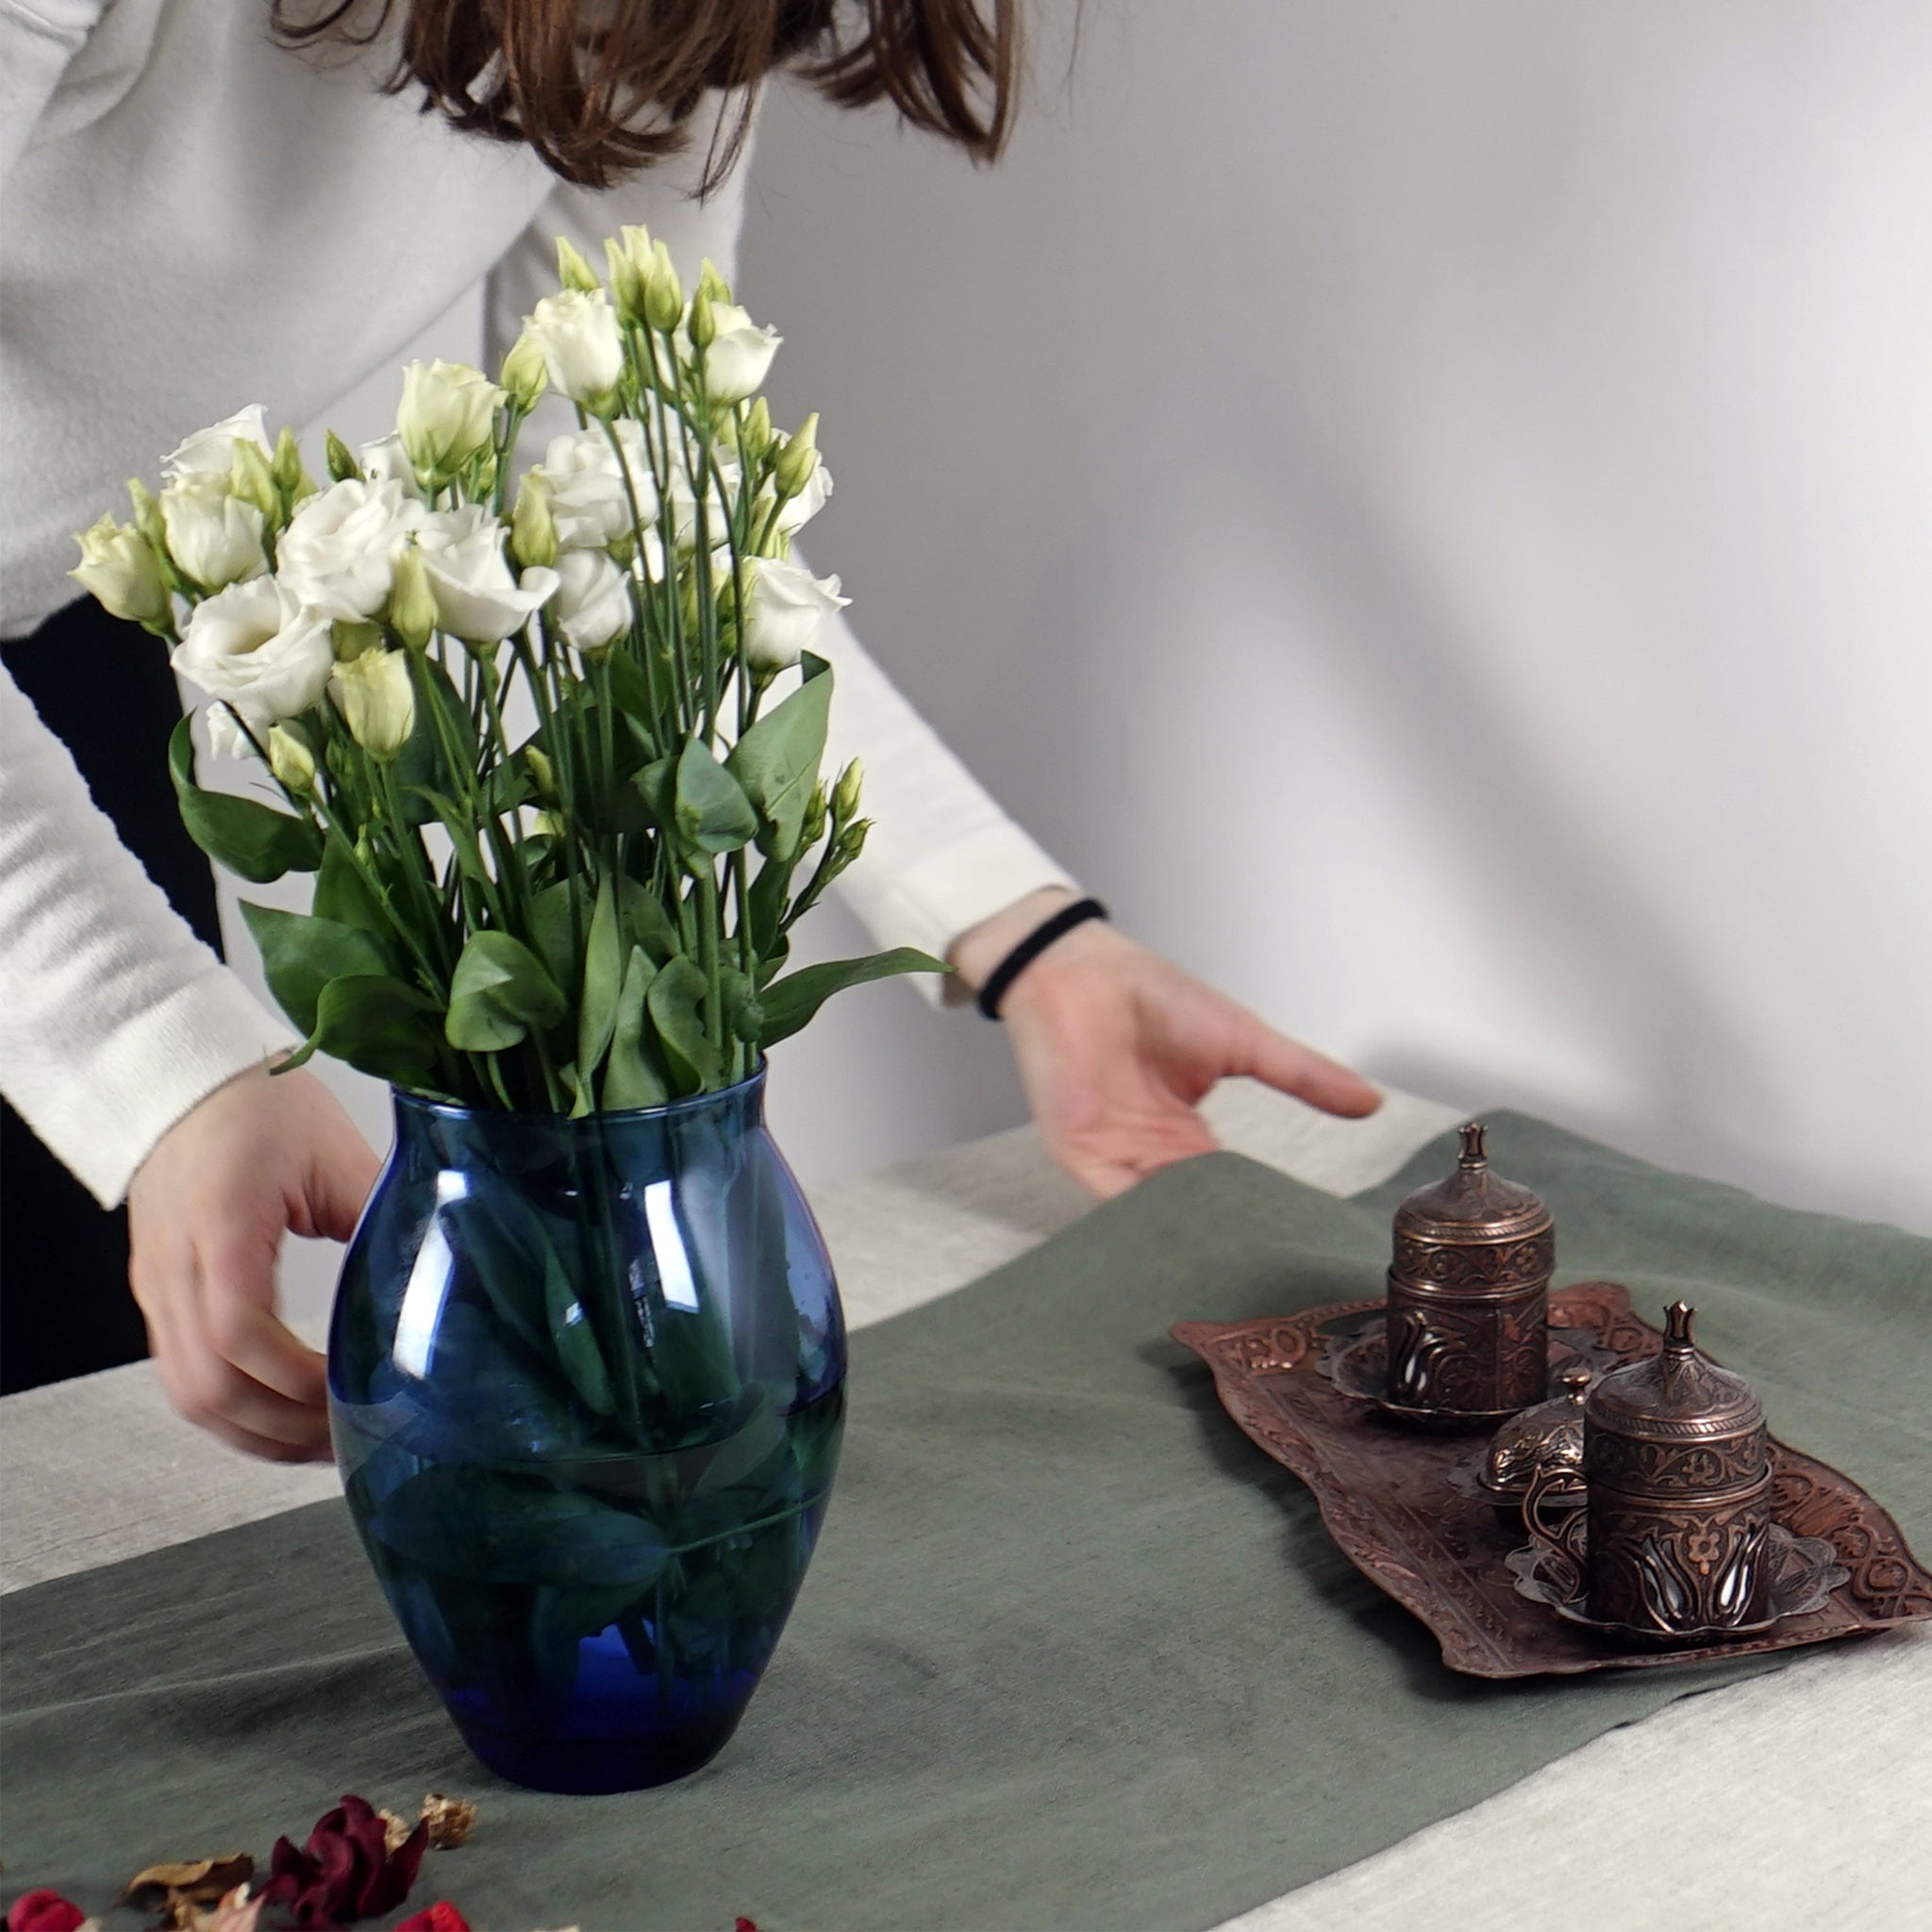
pixel 587 1384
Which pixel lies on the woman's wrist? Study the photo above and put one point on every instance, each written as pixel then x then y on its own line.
pixel 979 951
pixel 1025 941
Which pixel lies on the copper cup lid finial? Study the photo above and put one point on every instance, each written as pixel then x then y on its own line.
pixel 1474 1153
pixel 1677 1328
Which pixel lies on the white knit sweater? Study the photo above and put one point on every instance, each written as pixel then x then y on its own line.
pixel 193 219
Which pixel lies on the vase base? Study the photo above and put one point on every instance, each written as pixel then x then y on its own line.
pixel 591 1767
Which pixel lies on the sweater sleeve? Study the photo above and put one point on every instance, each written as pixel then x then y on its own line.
pixel 941 854
pixel 37 39
pixel 115 1018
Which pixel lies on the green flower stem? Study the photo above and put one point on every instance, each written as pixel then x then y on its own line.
pixel 709 924
pixel 667 527
pixel 432 694
pixel 747 959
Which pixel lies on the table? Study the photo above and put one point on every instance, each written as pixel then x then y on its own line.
pixel 1796 1800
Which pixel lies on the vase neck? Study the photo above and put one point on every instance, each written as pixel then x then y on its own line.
pixel 466 1137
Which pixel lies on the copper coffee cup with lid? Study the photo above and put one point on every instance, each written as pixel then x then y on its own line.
pixel 1676 1466
pixel 1468 1309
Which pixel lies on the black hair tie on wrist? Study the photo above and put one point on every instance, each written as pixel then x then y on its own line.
pixel 999 982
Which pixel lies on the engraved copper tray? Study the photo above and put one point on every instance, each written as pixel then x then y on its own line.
pixel 1387 1497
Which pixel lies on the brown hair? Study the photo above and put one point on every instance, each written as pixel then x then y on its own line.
pixel 598 97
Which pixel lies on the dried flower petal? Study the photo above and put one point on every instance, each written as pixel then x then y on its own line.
pixel 43 1911
pixel 346 1871
pixel 197 1881
pixel 395 1831
pixel 237 1912
pixel 450 1820
pixel 745 1925
pixel 440 1917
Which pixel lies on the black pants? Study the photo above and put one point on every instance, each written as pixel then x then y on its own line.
pixel 64 1305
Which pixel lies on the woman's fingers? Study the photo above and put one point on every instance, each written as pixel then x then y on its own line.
pixel 1291 1068
pixel 237 1287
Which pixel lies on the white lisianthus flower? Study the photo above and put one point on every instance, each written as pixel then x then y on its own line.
pixel 582 350
pixel 376 701
pixel 476 597
pixel 213 536
pixel 119 568
pixel 740 356
pixel 786 606
pixel 385 461
pixel 448 413
pixel 339 551
pixel 589 502
pixel 591 607
pixel 210 452
pixel 254 646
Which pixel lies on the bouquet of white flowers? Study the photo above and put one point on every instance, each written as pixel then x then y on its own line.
pixel 591 911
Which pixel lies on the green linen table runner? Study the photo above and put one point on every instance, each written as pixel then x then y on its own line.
pixel 1072 1654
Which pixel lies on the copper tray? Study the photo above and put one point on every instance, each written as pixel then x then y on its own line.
pixel 1388 1498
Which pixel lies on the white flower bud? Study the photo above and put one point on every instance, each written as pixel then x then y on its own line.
pixel 376 701
pixel 214 537
pixel 582 349
pixel 290 760
pixel 532 528
pixel 411 605
pixel 119 569
pixel 448 413
pixel 526 372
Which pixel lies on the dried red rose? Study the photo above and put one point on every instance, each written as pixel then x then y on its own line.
pixel 43 1911
pixel 346 1871
pixel 440 1917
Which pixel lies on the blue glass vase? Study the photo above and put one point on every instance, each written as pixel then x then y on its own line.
pixel 587 1386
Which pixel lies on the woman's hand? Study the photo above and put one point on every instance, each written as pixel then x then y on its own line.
pixel 1116 1047
pixel 207 1213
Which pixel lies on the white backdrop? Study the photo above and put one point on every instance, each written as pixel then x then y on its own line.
pixel 1428 511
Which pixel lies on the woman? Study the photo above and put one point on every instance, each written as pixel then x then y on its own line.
pixel 199 203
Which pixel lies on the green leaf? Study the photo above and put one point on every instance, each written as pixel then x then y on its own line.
pixel 251 839
pixel 575 1340
pixel 462 1520
pixel 499 990
pixel 675 1000
pixel 633 1077
pixel 344 894
pixel 632 693
pixel 300 956
pixel 744 1013
pixel 604 965
pixel 644 922
pixel 550 926
pixel 766 901
pixel 790 1002
pixel 777 762
pixel 711 812
pixel 379 1025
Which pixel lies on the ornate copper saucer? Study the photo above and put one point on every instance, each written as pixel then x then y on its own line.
pixel 1390 1497
pixel 1803 1572
pixel 1356 1360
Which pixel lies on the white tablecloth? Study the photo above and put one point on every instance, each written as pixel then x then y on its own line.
pixel 1794 1803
